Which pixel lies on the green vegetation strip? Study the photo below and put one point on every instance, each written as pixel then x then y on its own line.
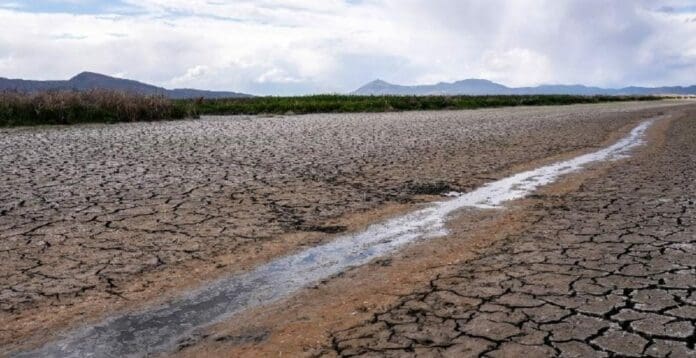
pixel 342 103
pixel 110 107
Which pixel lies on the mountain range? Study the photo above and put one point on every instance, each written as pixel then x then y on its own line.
pixel 89 80
pixel 486 87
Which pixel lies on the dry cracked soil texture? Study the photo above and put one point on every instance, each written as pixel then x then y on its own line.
pixel 607 270
pixel 86 212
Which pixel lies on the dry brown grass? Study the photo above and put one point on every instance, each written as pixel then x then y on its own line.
pixel 69 107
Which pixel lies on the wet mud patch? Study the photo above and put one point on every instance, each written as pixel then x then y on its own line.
pixel 326 229
pixel 245 337
pixel 437 187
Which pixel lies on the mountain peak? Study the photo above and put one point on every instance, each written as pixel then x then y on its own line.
pixel 379 82
pixel 475 80
pixel 86 81
pixel 467 86
pixel 375 87
pixel 86 75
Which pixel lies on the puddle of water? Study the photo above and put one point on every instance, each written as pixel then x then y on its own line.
pixel 159 329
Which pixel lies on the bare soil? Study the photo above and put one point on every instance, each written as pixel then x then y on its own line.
pixel 95 219
pixel 600 264
pixel 607 269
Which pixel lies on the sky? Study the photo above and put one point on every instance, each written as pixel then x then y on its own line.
pixel 274 47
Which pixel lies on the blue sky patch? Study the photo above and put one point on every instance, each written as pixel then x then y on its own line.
pixel 70 6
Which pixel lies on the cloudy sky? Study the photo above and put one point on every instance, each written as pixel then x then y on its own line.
pixel 309 46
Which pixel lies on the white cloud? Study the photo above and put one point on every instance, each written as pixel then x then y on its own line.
pixel 277 75
pixel 286 47
pixel 517 67
pixel 192 74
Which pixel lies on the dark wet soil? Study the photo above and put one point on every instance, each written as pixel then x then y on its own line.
pixel 429 188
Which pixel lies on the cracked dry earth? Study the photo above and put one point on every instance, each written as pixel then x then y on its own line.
pixel 608 270
pixel 98 218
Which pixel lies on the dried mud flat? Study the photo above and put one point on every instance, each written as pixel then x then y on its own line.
pixel 94 218
pixel 606 270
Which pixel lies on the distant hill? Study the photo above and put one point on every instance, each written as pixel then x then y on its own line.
pixel 485 87
pixel 90 80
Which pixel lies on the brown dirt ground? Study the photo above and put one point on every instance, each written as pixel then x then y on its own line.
pixel 97 219
pixel 304 325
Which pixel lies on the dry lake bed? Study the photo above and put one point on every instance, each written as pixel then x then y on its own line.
pixel 314 235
